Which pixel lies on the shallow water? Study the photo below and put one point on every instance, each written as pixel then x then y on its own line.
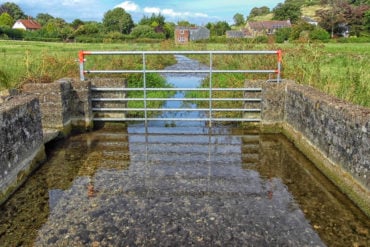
pixel 178 187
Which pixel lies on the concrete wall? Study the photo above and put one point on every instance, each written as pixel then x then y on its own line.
pixel 65 104
pixel 109 83
pixel 21 141
pixel 335 135
pixel 337 138
pixel 341 131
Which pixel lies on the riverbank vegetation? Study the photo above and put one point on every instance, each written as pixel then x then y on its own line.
pixel 338 69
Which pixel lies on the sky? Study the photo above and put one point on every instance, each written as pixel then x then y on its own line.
pixel 195 11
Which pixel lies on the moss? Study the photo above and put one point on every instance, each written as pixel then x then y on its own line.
pixel 341 178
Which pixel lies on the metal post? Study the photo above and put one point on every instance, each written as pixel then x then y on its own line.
pixel 81 59
pixel 280 59
pixel 145 91
pixel 210 88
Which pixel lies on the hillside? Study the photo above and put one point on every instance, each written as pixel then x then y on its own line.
pixel 309 11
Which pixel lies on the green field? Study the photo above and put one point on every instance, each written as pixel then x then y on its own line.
pixel 338 69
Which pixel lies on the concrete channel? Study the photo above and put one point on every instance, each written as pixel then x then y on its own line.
pixel 126 188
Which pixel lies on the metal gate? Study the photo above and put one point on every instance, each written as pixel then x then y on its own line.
pixel 248 109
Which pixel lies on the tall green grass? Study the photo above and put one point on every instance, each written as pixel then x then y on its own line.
pixel 341 70
pixel 24 62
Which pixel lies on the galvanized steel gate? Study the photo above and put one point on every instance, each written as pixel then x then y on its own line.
pixel 210 111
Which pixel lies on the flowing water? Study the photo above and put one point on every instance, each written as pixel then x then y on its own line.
pixel 187 185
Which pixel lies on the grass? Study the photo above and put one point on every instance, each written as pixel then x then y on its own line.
pixel 311 10
pixel 339 69
pixel 267 17
pixel 23 62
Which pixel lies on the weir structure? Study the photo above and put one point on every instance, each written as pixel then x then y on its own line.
pixel 213 94
pixel 333 134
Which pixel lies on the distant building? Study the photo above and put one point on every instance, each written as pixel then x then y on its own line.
pixel 309 20
pixel 234 34
pixel 27 24
pixel 258 28
pixel 184 35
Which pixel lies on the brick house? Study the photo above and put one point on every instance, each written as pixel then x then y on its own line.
pixel 258 28
pixel 27 24
pixel 184 35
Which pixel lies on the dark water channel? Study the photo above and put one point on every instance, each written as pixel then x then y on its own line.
pixel 179 186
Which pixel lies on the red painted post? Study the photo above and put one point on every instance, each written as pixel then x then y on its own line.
pixel 81 58
pixel 280 59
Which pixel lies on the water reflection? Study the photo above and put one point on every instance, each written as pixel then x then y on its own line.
pixel 179 186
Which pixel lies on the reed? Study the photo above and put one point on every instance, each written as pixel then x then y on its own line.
pixel 341 70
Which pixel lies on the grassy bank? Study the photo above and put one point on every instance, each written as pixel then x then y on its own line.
pixel 341 70
pixel 338 69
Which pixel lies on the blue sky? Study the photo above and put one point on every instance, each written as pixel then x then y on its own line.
pixel 195 11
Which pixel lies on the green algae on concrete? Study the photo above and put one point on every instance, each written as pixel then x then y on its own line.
pixel 339 176
pixel 36 161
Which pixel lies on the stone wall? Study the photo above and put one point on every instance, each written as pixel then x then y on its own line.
pixel 21 141
pixel 65 104
pixel 338 137
pixel 335 135
pixel 116 83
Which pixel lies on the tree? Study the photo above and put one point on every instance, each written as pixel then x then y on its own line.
pixel 89 28
pixel 331 18
pixel 218 28
pixel 169 30
pixel 6 20
pixel 13 10
pixel 158 19
pixel 264 10
pixel 56 28
pixel 282 34
pixel 360 2
pixel 118 20
pixel 76 23
pixel 299 29
pixel 184 24
pixel 319 33
pixel 43 18
pixel 342 15
pixel 367 20
pixel 145 31
pixel 238 19
pixel 355 17
pixel 287 11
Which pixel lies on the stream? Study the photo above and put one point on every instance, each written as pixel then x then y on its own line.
pixel 187 185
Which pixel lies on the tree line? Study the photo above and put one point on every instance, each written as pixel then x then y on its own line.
pixel 118 25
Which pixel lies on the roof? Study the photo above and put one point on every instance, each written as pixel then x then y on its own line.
pixel 30 24
pixel 262 25
pixel 189 28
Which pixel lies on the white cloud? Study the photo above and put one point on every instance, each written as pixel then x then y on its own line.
pixel 128 6
pixel 152 10
pixel 172 13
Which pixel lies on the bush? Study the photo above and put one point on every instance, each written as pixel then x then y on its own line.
pixel 319 34
pixel 89 39
pixel 261 39
pixel 9 33
pixel 282 34
pixel 145 31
